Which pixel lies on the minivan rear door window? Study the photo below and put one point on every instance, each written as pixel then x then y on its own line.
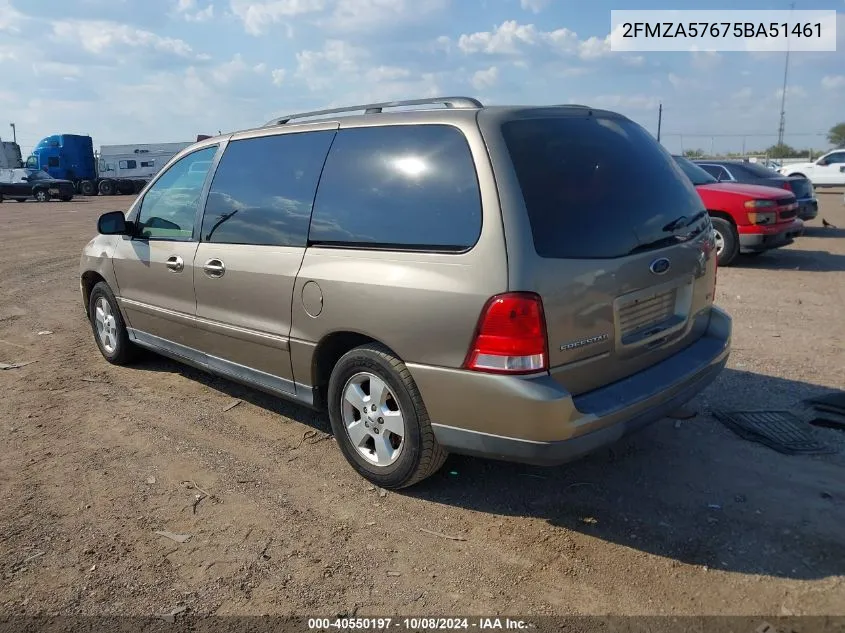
pixel 598 186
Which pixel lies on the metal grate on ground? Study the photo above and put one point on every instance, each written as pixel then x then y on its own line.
pixel 782 431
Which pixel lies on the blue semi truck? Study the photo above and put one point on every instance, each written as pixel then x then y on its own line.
pixel 119 169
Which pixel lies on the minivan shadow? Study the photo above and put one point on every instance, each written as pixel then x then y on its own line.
pixel 795 259
pixel 691 491
pixel 155 363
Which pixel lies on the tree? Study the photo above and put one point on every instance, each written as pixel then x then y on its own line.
pixel 837 135
pixel 694 153
pixel 782 151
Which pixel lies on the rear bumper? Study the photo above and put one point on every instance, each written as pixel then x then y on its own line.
pixel 763 238
pixel 808 208
pixel 535 421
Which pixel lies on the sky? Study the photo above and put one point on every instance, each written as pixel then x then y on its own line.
pixel 142 71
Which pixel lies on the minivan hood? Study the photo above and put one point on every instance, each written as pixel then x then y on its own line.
pixel 751 191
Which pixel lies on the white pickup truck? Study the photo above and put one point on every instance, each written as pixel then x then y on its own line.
pixel 826 171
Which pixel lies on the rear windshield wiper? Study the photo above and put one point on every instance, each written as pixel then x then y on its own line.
pixel 683 221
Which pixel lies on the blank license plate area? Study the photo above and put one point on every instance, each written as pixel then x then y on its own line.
pixel 651 313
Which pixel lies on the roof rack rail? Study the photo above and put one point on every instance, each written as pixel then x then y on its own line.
pixel 376 108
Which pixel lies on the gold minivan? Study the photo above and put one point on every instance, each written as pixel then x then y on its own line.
pixel 521 283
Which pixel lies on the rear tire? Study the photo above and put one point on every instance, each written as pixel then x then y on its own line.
pixel 110 332
pixel 727 241
pixel 392 428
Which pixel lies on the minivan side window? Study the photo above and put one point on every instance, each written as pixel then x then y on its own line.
pixel 169 208
pixel 403 187
pixel 263 190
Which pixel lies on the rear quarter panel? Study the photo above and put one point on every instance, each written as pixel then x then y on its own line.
pixel 424 306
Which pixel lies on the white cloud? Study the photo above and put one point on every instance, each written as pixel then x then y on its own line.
pixel 512 38
pixel 706 60
pixel 442 43
pixel 369 15
pixel 632 60
pixel 503 40
pixel 100 36
pixel 257 17
pixel 743 94
pixel 832 82
pixel 594 47
pixel 227 72
pixel 278 75
pixel 796 92
pixel 625 102
pixel 58 69
pixel 534 5
pixel 318 68
pixel 387 73
pixel 488 78
pixel 10 18
pixel 190 11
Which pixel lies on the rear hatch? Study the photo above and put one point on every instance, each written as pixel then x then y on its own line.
pixel 625 260
pixel 802 188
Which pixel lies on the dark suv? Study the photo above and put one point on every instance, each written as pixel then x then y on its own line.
pixel 525 283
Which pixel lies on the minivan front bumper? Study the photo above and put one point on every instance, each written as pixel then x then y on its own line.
pixel 534 420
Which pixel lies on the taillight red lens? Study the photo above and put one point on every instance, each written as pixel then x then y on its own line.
pixel 787 186
pixel 511 336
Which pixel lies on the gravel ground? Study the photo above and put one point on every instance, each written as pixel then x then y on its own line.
pixel 682 518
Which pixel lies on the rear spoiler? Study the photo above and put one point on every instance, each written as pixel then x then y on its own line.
pixel 202 137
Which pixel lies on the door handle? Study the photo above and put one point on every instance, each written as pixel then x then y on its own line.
pixel 214 268
pixel 175 264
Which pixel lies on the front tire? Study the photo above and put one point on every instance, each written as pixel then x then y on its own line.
pixel 727 241
pixel 110 332
pixel 42 195
pixel 379 419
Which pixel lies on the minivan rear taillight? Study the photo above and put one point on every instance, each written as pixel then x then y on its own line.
pixel 511 336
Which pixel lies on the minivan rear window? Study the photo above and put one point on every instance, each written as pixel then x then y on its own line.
pixel 597 186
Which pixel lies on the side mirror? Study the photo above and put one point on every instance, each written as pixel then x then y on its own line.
pixel 25 178
pixel 112 223
pixel 822 162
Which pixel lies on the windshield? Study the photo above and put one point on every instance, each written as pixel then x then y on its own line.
pixel 597 187
pixel 39 175
pixel 695 173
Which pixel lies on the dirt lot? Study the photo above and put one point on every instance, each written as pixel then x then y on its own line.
pixel 683 518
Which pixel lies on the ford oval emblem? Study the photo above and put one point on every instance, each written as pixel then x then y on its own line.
pixel 660 266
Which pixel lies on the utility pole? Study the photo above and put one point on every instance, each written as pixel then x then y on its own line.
pixel 782 125
pixel 659 121
pixel 14 133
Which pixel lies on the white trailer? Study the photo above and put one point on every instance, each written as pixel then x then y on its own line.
pixel 10 155
pixel 121 165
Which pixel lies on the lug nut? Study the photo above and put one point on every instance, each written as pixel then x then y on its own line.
pixel 373 407
pixel 381 420
pixel 375 430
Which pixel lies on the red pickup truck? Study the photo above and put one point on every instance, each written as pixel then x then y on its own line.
pixel 748 219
